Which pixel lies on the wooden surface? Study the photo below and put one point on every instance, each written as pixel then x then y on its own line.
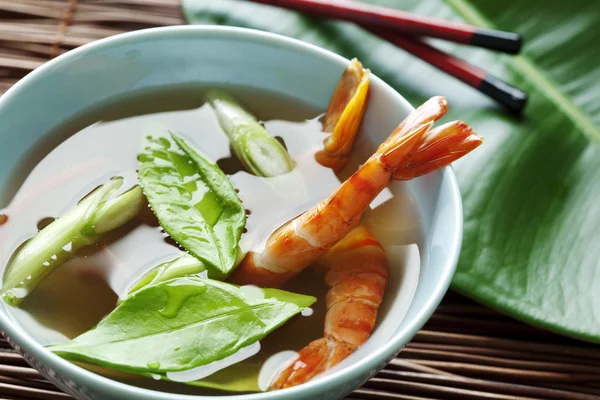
pixel 466 351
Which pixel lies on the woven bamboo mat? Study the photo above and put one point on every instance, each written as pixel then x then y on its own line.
pixel 465 351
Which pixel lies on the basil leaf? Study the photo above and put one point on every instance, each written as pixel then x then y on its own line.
pixel 182 324
pixel 194 201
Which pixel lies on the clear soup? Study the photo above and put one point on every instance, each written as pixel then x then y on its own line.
pixel 90 149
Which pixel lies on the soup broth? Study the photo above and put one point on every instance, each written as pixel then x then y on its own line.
pixel 87 151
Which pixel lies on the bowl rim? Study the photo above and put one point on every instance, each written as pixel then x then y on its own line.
pixel 357 371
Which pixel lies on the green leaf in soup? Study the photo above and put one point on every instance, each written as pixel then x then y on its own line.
pixel 193 200
pixel 530 194
pixel 181 324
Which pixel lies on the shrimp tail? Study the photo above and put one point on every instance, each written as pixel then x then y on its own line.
pixel 392 154
pixel 430 111
pixel 344 116
pixel 438 148
pixel 335 162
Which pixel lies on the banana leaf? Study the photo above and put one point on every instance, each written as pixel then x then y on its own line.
pixel 532 192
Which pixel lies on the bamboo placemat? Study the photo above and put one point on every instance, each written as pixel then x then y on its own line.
pixel 465 351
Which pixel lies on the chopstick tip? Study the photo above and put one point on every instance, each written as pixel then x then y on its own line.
pixel 511 97
pixel 507 42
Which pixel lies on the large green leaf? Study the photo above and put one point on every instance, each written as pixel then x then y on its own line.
pixel 181 324
pixel 531 191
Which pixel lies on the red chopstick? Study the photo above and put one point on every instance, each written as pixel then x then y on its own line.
pixel 378 20
pixel 509 96
pixel 404 22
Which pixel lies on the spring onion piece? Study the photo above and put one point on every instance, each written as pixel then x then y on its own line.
pixel 93 216
pixel 260 152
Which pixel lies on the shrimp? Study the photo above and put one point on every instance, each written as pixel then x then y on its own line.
pixel 413 149
pixel 344 115
pixel 356 272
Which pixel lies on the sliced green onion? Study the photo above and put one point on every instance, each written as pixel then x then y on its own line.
pixel 93 216
pixel 257 149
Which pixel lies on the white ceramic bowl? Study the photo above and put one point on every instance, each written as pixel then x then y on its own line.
pixel 109 68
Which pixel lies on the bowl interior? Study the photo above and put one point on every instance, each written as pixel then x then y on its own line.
pixel 112 68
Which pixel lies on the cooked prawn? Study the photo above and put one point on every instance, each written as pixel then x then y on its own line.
pixel 344 115
pixel 413 149
pixel 356 272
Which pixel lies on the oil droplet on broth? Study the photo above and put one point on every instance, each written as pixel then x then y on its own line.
pixel 44 222
pixel 307 312
pixel 252 293
pixel 90 157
